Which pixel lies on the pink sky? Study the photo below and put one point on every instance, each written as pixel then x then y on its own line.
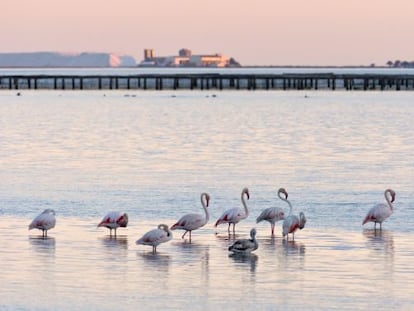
pixel 258 32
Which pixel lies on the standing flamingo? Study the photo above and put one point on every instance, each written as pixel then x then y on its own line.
pixel 44 221
pixel 192 222
pixel 245 246
pixel 293 222
pixel 155 237
pixel 234 215
pixel 274 214
pixel 113 220
pixel 381 212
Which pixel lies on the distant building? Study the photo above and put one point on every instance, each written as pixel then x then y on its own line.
pixel 185 58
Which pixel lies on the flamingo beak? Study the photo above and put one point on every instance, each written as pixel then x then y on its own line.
pixel 393 197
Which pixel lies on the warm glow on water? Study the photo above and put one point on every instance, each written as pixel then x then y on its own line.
pixel 151 154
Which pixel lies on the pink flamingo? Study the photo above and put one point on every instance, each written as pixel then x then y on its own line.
pixel 192 222
pixel 113 220
pixel 234 215
pixel 293 222
pixel 381 212
pixel 44 221
pixel 274 214
pixel 155 237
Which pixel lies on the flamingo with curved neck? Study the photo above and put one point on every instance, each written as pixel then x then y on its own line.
pixel 155 237
pixel 381 212
pixel 190 222
pixel 234 215
pixel 44 221
pixel 274 214
pixel 293 222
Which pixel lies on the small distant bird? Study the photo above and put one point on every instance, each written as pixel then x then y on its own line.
pixel 274 214
pixel 192 222
pixel 381 212
pixel 44 221
pixel 155 237
pixel 234 215
pixel 245 246
pixel 113 220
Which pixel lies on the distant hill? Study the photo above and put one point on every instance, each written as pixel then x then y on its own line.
pixel 55 59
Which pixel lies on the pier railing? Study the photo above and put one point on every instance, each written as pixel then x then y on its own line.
pixel 302 81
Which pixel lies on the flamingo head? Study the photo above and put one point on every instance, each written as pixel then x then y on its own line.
pixel 246 191
pixel 123 220
pixel 283 190
pixel 302 220
pixel 392 192
pixel 207 199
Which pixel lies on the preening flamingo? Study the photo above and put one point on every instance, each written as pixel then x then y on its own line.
pixel 381 212
pixel 155 237
pixel 245 246
pixel 274 214
pixel 44 221
pixel 234 215
pixel 113 220
pixel 293 222
pixel 192 222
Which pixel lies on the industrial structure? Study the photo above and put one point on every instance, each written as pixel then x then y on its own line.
pixel 185 58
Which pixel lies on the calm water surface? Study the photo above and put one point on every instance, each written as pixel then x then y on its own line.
pixel 151 154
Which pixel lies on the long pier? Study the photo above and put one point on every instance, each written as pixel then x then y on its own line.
pixel 214 81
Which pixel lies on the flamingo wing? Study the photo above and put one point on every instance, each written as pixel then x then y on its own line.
pixel 44 221
pixel 271 214
pixel 190 222
pixel 154 237
pixel 290 224
pixel 241 246
pixel 114 220
pixel 232 215
pixel 378 213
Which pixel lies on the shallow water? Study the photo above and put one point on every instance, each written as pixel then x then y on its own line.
pixel 80 267
pixel 151 154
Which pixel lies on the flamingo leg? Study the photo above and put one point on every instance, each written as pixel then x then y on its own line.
pixel 184 234
pixel 234 229
pixel 273 229
pixel 228 229
pixel 190 236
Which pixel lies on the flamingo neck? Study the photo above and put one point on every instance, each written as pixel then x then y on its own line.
pixel 288 202
pixel 388 199
pixel 204 204
pixel 246 211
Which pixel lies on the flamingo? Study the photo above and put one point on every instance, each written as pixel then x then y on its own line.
pixel 381 212
pixel 44 221
pixel 273 214
pixel 155 237
pixel 113 220
pixel 192 222
pixel 234 215
pixel 245 246
pixel 293 222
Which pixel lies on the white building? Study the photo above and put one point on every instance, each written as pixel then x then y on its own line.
pixel 186 59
